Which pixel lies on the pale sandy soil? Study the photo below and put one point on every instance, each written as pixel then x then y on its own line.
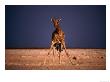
pixel 86 59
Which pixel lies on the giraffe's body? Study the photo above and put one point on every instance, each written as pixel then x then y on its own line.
pixel 58 36
pixel 57 39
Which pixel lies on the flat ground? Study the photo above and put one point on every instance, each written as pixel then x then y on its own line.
pixel 82 59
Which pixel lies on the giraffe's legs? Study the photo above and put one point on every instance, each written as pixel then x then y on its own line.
pixel 48 53
pixel 68 57
pixel 67 53
pixel 50 49
pixel 59 55
pixel 53 54
pixel 45 59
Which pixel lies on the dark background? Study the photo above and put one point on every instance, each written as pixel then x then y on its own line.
pixel 31 27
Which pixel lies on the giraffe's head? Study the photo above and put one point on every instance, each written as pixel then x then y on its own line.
pixel 55 21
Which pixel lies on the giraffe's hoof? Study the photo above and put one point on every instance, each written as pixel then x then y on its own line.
pixel 74 58
pixel 48 53
pixel 60 62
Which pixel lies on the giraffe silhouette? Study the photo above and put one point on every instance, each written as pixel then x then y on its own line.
pixel 57 40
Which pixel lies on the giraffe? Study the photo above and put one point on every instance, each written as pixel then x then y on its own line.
pixel 57 40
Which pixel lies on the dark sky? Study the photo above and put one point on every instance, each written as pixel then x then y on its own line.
pixel 31 27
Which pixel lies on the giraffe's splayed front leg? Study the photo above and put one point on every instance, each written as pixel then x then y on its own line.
pixel 59 55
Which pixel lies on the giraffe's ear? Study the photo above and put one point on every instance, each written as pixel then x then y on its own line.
pixel 51 19
pixel 59 19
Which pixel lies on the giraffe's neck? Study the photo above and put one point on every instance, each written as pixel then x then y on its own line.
pixel 58 30
pixel 57 26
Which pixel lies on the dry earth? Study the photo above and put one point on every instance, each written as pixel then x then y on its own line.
pixel 82 59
